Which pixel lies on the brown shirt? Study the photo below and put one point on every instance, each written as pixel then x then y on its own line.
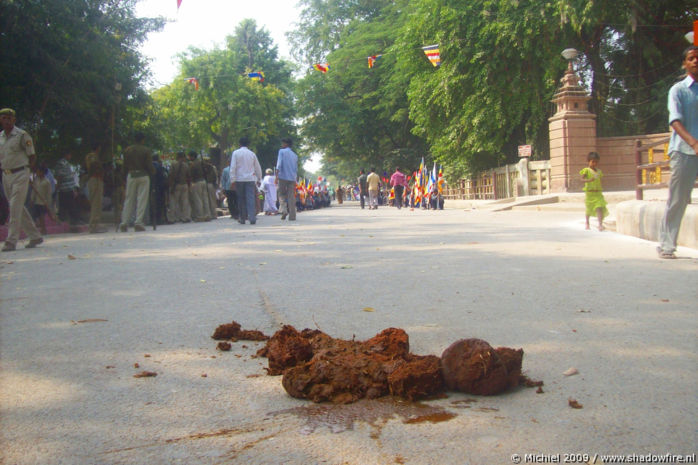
pixel 138 160
pixel 179 174
pixel 196 171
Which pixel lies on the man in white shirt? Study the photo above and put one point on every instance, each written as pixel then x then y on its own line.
pixel 245 173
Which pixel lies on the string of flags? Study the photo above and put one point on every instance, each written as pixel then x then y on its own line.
pixel 431 51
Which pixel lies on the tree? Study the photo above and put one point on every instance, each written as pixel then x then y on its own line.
pixel 61 60
pixel 491 92
pixel 228 104
pixel 355 116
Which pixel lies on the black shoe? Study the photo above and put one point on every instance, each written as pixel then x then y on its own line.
pixel 33 243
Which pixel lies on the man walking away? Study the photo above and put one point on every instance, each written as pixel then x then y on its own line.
pixel 399 182
pixel 363 187
pixel 286 175
pixel 245 172
pixel 374 183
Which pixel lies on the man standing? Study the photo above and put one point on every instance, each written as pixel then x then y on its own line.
pixel 95 188
pixel 197 191
pixel 138 166
pixel 286 175
pixel 399 182
pixel 16 156
pixel 244 174
pixel 179 189
pixel 67 192
pixel 683 147
pixel 374 182
pixel 363 187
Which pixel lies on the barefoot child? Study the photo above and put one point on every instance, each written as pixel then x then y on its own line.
pixel 594 201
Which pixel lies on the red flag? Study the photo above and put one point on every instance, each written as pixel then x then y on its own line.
pixel 695 32
pixel 195 82
pixel 179 3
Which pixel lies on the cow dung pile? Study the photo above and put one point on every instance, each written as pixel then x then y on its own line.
pixel 321 368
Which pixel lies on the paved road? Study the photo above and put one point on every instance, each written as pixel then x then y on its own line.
pixel 600 302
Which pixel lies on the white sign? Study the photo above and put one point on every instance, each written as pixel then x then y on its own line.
pixel 524 151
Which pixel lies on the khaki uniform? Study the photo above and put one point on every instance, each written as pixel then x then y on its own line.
pixel 15 150
pixel 139 166
pixel 211 175
pixel 197 193
pixel 95 188
pixel 179 186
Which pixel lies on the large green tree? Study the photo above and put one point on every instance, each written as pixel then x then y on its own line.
pixel 64 64
pixel 355 116
pixel 228 104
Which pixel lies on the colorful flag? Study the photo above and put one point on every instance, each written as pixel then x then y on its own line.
pixel 179 3
pixel 256 76
pixel 193 81
pixel 372 60
pixel 322 67
pixel 432 52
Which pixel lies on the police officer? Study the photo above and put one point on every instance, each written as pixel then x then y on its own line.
pixel 95 188
pixel 179 189
pixel 16 157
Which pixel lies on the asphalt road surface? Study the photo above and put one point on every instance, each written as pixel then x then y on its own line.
pixel 80 311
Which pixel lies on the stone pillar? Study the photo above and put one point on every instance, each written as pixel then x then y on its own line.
pixel 572 135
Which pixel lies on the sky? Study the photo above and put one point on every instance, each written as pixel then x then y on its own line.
pixel 205 24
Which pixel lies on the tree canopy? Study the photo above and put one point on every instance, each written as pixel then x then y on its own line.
pixel 64 63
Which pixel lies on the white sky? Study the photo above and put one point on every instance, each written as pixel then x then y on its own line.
pixel 205 24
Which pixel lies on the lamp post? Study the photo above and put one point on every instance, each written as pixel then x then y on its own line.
pixel 117 97
pixel 570 54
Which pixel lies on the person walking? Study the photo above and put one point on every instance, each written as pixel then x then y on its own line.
pixel 16 157
pixel 138 166
pixel 683 149
pixel 593 191
pixel 399 182
pixel 286 175
pixel 245 172
pixel 373 182
pixel 95 188
pixel 269 189
pixel 363 188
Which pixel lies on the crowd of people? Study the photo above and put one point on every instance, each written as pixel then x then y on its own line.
pixel 419 190
pixel 141 189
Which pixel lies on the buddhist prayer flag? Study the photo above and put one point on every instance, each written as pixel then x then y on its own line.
pixel 256 76
pixel 195 82
pixel 179 3
pixel 372 60
pixel 322 67
pixel 432 52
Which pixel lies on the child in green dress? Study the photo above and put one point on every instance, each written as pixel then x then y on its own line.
pixel 594 201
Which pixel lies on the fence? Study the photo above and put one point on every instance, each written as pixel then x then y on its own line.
pixel 503 182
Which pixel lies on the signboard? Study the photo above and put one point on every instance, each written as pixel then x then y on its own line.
pixel 524 151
